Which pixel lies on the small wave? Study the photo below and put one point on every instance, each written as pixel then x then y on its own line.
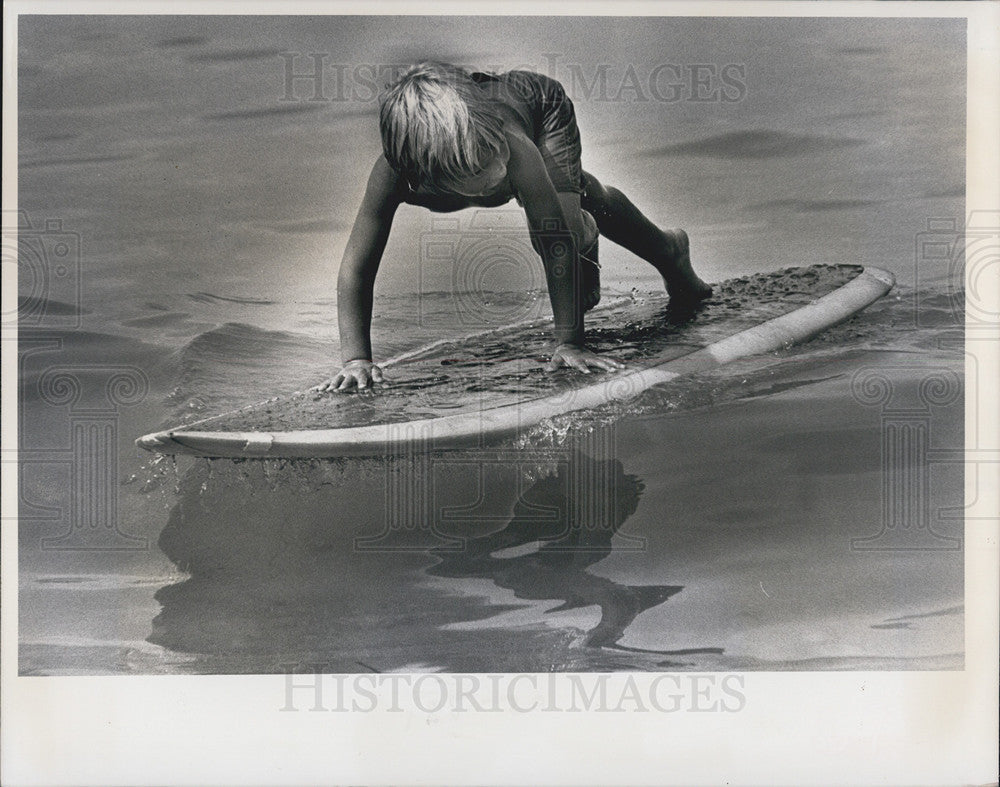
pixel 757 144
pixel 234 341
pixel 324 226
pixel 162 320
pixel 74 161
pixel 91 346
pixel 815 205
pixel 181 41
pixel 208 297
pixel 36 306
pixel 234 55
pixel 264 112
pixel 230 365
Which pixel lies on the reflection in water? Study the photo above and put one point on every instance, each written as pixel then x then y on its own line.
pixel 570 537
pixel 278 577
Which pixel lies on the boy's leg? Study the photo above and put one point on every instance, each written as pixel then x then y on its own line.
pixel 667 251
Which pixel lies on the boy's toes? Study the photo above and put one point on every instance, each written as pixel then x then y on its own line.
pixel 689 293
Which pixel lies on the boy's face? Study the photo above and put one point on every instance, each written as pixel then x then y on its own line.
pixel 484 182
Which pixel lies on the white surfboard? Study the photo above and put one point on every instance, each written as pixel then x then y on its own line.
pixel 499 409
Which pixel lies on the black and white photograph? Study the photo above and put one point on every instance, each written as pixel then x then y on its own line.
pixel 501 372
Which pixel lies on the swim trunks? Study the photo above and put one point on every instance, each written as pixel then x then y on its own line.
pixel 549 118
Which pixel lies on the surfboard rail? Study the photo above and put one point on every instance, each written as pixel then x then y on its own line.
pixel 474 429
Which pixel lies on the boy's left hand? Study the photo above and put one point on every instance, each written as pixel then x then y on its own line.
pixel 581 359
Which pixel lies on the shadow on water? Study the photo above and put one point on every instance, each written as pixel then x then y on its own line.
pixel 329 564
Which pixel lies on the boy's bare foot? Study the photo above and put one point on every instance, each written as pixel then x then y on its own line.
pixel 683 285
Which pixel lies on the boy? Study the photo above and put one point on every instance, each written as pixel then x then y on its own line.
pixel 455 139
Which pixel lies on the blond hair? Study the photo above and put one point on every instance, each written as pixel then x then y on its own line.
pixel 438 125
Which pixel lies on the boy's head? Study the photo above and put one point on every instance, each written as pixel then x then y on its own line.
pixel 438 125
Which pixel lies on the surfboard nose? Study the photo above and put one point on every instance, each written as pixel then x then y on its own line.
pixel 155 441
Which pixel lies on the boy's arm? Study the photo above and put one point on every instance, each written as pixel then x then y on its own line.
pixel 556 237
pixel 356 279
pixel 551 234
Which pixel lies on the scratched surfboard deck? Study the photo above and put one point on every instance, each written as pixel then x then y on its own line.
pixel 492 385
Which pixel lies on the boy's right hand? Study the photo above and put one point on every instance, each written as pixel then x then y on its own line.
pixel 359 373
pixel 580 358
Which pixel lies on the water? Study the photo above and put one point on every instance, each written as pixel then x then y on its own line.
pixel 715 523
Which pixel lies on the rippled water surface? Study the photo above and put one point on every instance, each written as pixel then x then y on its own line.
pixel 743 518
